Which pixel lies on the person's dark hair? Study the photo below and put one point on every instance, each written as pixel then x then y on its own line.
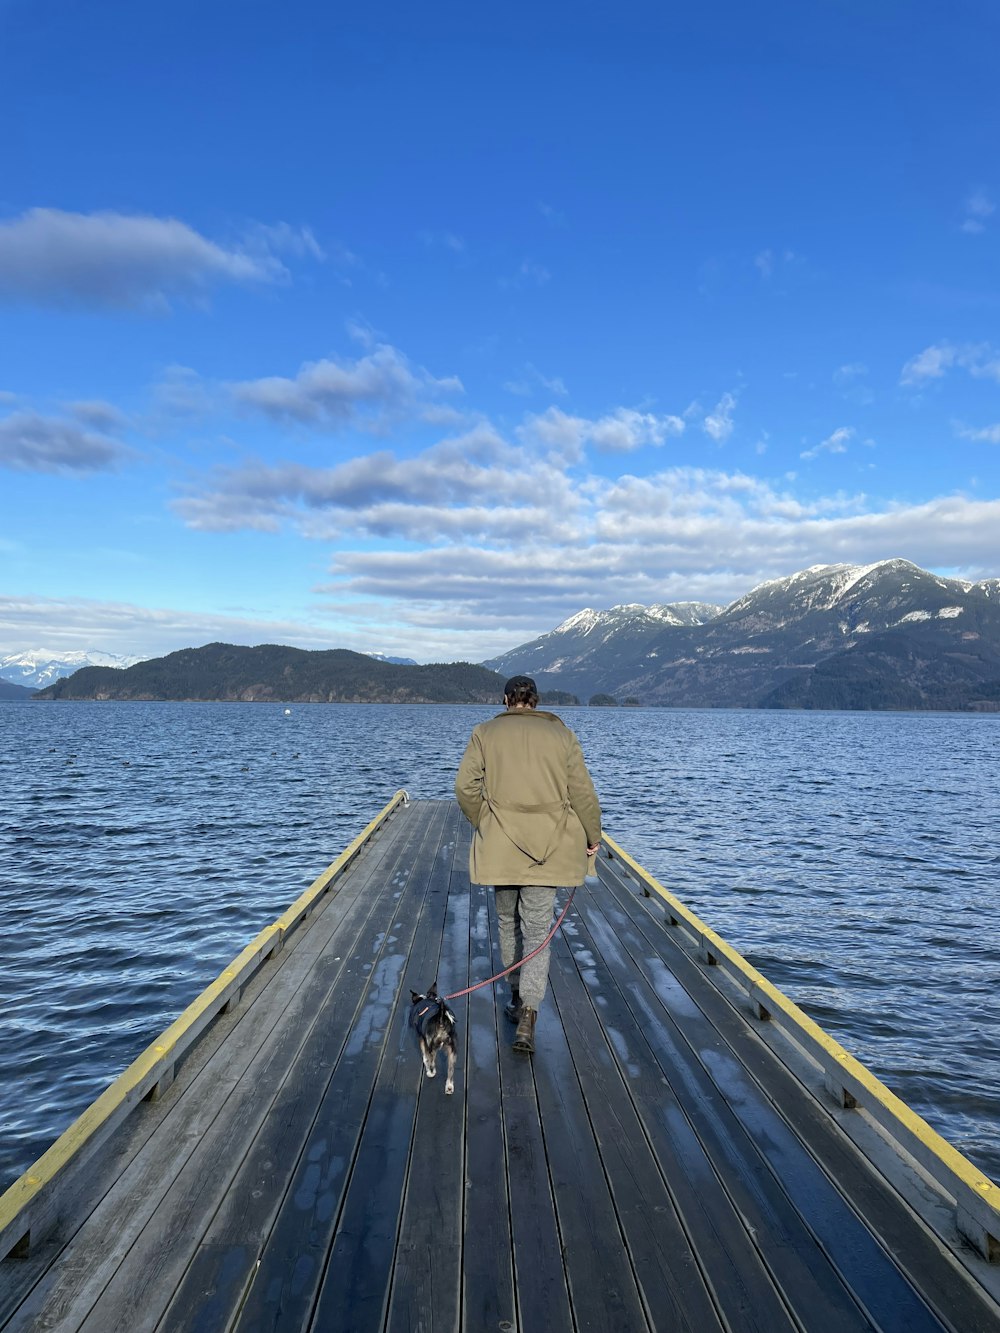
pixel 521 690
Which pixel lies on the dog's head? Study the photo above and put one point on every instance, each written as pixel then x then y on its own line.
pixel 430 1015
pixel 426 1007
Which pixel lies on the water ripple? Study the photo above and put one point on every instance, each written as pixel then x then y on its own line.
pixel 851 857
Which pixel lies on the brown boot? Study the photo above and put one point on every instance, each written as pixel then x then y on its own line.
pixel 513 1008
pixel 524 1039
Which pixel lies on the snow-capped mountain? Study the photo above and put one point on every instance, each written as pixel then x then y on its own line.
pixel 38 667
pixel 393 661
pixel 887 634
pixel 620 630
pixel 868 596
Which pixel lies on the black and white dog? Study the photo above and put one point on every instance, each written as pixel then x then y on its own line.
pixel 435 1025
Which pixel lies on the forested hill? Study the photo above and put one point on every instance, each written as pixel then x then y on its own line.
pixel 227 672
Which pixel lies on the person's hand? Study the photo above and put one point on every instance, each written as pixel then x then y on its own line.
pixel 593 849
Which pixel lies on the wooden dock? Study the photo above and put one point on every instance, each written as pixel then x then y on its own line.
pixel 672 1158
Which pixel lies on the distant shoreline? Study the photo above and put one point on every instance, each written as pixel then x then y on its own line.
pixel 985 709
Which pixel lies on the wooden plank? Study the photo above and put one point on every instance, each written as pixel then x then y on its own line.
pixel 977 1197
pixel 161 1136
pixel 141 1288
pixel 488 1279
pixel 892 1263
pixel 296 1174
pixel 787 1249
pixel 356 1279
pixel 729 1255
pixel 540 1282
pixel 674 1292
pixel 604 1293
pixel 426 1276
pixel 865 1267
pixel 658 1132
pixel 29 1207
pixel 329 1063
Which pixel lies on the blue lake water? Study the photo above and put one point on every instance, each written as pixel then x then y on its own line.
pixel 853 858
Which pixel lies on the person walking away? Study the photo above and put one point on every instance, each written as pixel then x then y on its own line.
pixel 524 787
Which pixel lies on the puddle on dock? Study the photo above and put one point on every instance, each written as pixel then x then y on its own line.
pixel 624 1055
pixel 371 1023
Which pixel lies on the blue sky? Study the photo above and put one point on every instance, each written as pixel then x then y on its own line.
pixel 419 329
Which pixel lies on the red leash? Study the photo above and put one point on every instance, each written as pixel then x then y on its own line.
pixel 457 995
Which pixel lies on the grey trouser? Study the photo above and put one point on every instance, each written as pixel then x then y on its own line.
pixel 525 916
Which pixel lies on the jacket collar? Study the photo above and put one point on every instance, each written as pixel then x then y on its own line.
pixel 530 712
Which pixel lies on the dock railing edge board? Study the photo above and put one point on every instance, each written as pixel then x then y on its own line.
pixel 28 1209
pixel 850 1084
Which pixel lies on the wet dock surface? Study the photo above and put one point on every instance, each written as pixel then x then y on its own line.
pixel 654 1167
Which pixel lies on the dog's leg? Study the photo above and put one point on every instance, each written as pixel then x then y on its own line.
pixel 429 1062
pixel 450 1085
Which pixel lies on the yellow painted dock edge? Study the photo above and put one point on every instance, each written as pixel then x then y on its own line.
pixel 26 1196
pixel 977 1198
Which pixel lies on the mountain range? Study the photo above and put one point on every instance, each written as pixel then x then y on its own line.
pixel 886 635
pixel 38 667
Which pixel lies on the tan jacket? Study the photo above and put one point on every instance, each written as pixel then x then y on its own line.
pixel 524 787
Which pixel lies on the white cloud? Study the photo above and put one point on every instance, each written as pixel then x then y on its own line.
pixel 441 414
pixel 264 239
pixel 533 381
pixel 71 624
pixel 765 263
pixel 447 489
pixel 102 416
pixel 930 364
pixel 494 533
pixel 986 366
pixel 181 392
pixel 690 496
pixel 127 261
pixel 687 534
pixel 987 434
pixel 718 424
pixel 836 443
pixel 626 429
pixel 556 431
pixel 552 216
pixel 362 626
pixel 494 572
pixel 330 393
pixel 433 525
pixel 30 442
pixel 851 380
pixel 849 374
pixel 977 208
pixel 980 359
pixel 619 431
pixel 360 331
